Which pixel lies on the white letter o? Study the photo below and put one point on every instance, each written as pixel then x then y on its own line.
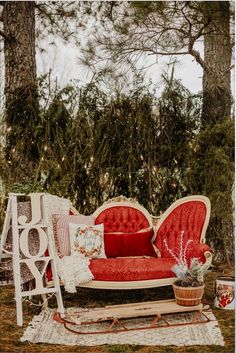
pixel 24 241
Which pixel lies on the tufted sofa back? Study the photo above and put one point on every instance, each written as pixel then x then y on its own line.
pixel 190 216
pixel 122 219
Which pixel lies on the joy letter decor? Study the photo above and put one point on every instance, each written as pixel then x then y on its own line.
pixel 37 262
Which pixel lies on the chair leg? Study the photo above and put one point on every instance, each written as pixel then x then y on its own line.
pixel 45 301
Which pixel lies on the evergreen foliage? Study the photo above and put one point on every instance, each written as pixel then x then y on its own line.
pixel 22 112
pixel 211 173
pixel 179 114
pixel 131 143
pixel 125 144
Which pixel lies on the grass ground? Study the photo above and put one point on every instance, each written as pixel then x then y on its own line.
pixel 10 333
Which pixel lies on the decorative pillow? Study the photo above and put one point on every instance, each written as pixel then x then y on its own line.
pixel 138 244
pixel 113 244
pixel 129 244
pixel 61 230
pixel 87 240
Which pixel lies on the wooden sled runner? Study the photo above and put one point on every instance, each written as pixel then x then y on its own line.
pixel 116 317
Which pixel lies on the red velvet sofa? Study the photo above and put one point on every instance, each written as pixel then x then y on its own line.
pixel 134 242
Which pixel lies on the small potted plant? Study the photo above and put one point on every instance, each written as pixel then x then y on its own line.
pixel 189 285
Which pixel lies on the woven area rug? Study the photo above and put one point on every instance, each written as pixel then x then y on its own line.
pixel 43 329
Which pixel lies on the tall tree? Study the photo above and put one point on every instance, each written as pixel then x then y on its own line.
pixel 217 62
pixel 19 47
pixel 212 171
pixel 20 81
pixel 20 32
pixel 22 116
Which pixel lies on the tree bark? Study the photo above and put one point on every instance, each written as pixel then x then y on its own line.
pixel 19 45
pixel 21 109
pixel 214 174
pixel 217 58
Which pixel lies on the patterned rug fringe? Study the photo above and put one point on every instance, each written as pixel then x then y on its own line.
pixel 43 329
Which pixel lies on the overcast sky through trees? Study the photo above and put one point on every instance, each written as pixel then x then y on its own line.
pixel 63 61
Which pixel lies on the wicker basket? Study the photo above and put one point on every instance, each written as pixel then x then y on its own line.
pixel 188 296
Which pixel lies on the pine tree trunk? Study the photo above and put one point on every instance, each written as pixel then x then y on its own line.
pixel 214 174
pixel 21 110
pixel 19 47
pixel 217 58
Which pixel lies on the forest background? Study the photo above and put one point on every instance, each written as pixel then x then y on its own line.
pixel 120 133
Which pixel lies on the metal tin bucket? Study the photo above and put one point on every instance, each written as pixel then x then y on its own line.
pixel 224 291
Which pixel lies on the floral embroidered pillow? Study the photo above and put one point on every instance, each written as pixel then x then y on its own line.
pixel 87 240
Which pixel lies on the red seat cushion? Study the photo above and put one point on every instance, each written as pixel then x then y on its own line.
pixel 131 269
pixel 129 244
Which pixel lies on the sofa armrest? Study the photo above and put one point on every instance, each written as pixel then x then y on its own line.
pixel 202 251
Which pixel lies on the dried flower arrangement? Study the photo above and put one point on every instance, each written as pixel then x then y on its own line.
pixel 187 276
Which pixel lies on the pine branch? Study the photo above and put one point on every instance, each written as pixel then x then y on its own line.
pixel 192 41
pixel 230 68
pixel 42 10
pixel 169 53
pixel 197 57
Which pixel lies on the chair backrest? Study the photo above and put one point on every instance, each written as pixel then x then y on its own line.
pixel 122 215
pixel 189 214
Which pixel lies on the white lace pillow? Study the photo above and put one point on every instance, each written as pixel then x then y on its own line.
pixel 87 240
